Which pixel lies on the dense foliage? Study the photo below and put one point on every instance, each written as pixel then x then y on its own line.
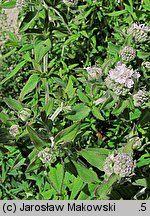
pixel 75 117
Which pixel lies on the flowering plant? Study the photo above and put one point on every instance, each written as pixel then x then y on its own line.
pixel 75 100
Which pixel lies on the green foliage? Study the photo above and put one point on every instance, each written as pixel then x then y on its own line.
pixel 66 108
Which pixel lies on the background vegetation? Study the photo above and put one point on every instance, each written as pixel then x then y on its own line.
pixel 74 100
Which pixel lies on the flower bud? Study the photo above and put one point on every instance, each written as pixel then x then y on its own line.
pixel 146 65
pixel 139 32
pixel 14 130
pixel 140 97
pixel 24 114
pixel 94 72
pixel 128 53
pixel 70 3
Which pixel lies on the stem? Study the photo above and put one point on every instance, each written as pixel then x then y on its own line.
pixel 56 113
pixel 45 63
pixel 47 98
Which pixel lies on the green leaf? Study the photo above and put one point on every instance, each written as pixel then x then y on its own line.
pixel 41 49
pixel 30 85
pixel 36 139
pixel 118 110
pixel 52 63
pixel 49 106
pixel 112 48
pixel 143 55
pixel 99 150
pixel 141 182
pixel 84 33
pixel 97 114
pixel 79 112
pixel 26 47
pixel 95 158
pixel 27 57
pixel 48 194
pixel 8 54
pixel 143 160
pixel 146 4
pixel 83 97
pixel 13 72
pixel 68 134
pixel 61 15
pixel 18 161
pixel 13 104
pixel 56 176
pixel 87 175
pixel 69 89
pixel 135 115
pixel 144 118
pixel 105 188
pixel 72 38
pixel 128 147
pixel 13 38
pixel 28 20
pixel 4 117
pixel 116 13
pixel 88 192
pixel 35 164
pixel 4 168
pixel 77 186
pixel 7 5
pixel 129 8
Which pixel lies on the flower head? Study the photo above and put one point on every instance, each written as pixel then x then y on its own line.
pixel 121 164
pixel 45 155
pixel 123 75
pixel 117 88
pixel 136 142
pixel 24 114
pixel 108 165
pixel 128 53
pixel 14 130
pixel 94 72
pixel 140 97
pixel 146 65
pixel 70 3
pixel 139 32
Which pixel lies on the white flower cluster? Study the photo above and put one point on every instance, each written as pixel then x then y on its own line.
pixel 140 97
pixel 70 2
pixel 14 130
pixel 24 114
pixel 146 65
pixel 117 88
pixel 121 79
pixel 128 53
pixel 121 164
pixel 136 142
pixel 45 155
pixel 140 32
pixel 94 72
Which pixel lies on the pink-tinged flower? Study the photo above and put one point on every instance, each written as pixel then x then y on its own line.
pixel 123 75
pixel 94 72
pixel 14 130
pixel 139 32
pixel 128 53
pixel 140 97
